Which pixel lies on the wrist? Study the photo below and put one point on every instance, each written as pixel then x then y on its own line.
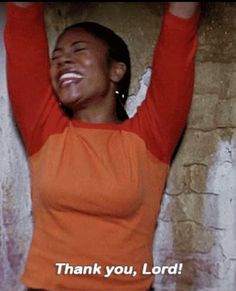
pixel 183 9
pixel 23 4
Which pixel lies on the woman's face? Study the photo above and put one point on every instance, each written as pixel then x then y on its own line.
pixel 80 71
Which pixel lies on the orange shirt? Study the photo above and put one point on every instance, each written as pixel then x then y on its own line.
pixel 96 188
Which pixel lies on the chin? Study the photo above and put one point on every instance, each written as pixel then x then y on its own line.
pixel 68 100
pixel 68 95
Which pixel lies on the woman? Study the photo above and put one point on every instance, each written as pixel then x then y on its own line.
pixel 97 177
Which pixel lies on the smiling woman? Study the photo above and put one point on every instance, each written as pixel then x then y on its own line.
pixel 100 63
pixel 89 91
pixel 97 176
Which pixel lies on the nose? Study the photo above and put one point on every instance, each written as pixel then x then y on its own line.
pixel 64 60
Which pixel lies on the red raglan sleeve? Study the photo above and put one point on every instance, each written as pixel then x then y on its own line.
pixel 161 118
pixel 28 73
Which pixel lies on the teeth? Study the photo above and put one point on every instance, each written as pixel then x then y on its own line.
pixel 67 82
pixel 70 75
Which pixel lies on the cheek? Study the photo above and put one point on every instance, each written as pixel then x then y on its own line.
pixel 88 62
pixel 52 74
pixel 101 69
pixel 96 61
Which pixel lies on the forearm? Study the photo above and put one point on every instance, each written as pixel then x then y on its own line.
pixel 183 9
pixel 35 108
pixel 171 87
pixel 27 48
pixel 27 64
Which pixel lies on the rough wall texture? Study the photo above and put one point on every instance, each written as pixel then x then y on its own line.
pixel 15 204
pixel 198 219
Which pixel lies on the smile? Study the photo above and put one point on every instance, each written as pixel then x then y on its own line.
pixel 68 78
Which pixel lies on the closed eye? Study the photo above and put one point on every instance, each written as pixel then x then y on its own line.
pixel 55 58
pixel 78 50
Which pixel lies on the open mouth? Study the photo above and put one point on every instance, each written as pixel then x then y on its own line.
pixel 69 78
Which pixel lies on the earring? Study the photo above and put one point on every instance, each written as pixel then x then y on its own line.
pixel 118 94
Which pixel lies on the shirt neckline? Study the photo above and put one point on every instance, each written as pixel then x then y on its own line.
pixel 79 123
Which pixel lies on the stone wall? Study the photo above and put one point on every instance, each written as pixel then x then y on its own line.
pixel 197 222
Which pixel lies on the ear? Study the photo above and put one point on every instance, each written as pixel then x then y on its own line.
pixel 117 71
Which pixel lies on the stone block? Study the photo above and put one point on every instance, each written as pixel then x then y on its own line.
pixel 208 78
pixel 198 176
pixel 190 237
pixel 198 147
pixel 178 179
pixel 202 114
pixel 226 113
pixel 172 209
pixel 217 37
pixel 230 83
pixel 201 209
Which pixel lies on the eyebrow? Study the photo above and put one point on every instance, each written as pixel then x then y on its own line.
pixel 73 43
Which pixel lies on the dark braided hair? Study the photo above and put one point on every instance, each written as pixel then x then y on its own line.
pixel 118 51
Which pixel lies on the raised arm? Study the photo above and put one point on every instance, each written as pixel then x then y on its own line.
pixel 162 116
pixel 28 68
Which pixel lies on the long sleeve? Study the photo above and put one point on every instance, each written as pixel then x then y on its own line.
pixel 162 116
pixel 28 78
